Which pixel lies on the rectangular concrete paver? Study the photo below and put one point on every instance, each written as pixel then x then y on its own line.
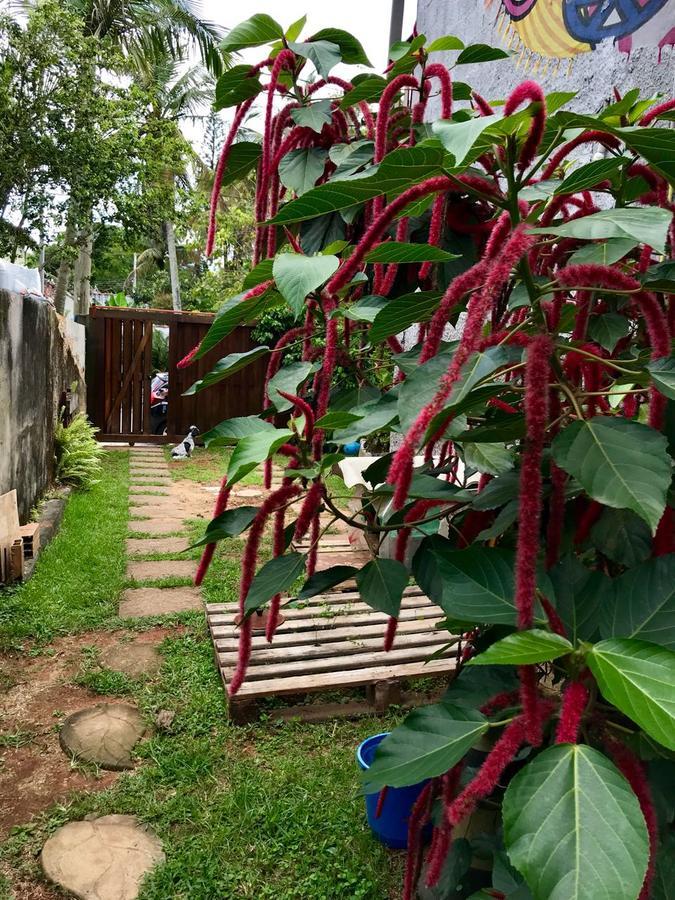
pixel 139 602
pixel 143 546
pixel 157 526
pixel 153 570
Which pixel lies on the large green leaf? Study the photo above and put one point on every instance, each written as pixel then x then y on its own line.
pixel 243 158
pixel 288 379
pixel 225 367
pixel 236 85
pixel 459 137
pixel 587 176
pixel 351 49
pixel 648 225
pixel 323 581
pixel 228 524
pixel 367 308
pixel 259 29
pixel 478 53
pixel 474 687
pixel 325 55
pixel 276 576
pixel 401 312
pixel 232 430
pixel 430 741
pixel 373 416
pixel 368 88
pixel 643 604
pixel 622 536
pixel 299 170
pixel 605 253
pixel 381 583
pixel 660 277
pixel 656 145
pixel 254 449
pixel 400 252
pixel 608 329
pixel 420 387
pixel 232 313
pixel 638 679
pixel 573 827
pixel 663 375
pixel 580 597
pixel 523 648
pixel 315 115
pixel 618 462
pixel 447 42
pixel 477 368
pixel 297 276
pixel 498 492
pixel 494 459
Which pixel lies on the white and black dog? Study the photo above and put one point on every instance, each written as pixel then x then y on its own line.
pixel 186 446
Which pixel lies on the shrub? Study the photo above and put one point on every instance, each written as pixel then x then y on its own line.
pixel 77 452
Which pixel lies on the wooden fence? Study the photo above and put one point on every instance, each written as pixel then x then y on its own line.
pixel 120 369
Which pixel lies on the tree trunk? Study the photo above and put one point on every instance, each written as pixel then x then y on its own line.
pixel 63 275
pixel 173 264
pixel 82 274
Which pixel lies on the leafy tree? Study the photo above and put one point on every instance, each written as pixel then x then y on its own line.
pixel 542 507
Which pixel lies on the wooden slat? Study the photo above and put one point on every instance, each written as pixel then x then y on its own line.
pixel 412 591
pixel 328 611
pixel 369 618
pixel 331 680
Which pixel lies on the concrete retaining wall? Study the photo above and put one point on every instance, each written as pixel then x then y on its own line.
pixel 40 358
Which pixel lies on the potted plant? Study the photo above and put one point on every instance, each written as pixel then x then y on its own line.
pixel 545 423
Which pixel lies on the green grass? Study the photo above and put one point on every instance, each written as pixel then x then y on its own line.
pixel 80 575
pixel 207 466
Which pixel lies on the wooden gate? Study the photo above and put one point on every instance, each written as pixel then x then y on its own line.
pixel 120 369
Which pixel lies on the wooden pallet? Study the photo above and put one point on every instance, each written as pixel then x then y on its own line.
pixel 332 643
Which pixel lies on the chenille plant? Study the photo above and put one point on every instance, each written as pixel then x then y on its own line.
pixel 531 485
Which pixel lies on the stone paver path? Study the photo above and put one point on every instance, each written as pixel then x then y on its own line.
pixel 139 602
pixel 133 658
pixel 142 546
pixel 155 570
pixel 101 859
pixel 104 734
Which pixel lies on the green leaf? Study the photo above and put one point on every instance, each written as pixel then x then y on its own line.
pixel 254 449
pixel 447 42
pixel 620 463
pixel 478 585
pixel 381 583
pixel 288 379
pixel 259 29
pixel 351 49
pixel 233 312
pixel 478 53
pixel 368 88
pixel 523 648
pixel 459 137
pixel 293 31
pixel 315 115
pixel 427 487
pixel 299 170
pixel 401 312
pixel 656 145
pixel 580 596
pixel 663 885
pixel 228 524
pixel 243 158
pixel 605 253
pixel 648 225
pixel 232 430
pixel 573 827
pixel 275 577
pixel 258 274
pixel 663 375
pixel 643 604
pixel 638 679
pixel 498 492
pixel 477 368
pixel 320 582
pixel 660 277
pixel 366 309
pixel 494 459
pixel 319 233
pixel 336 419
pixel 349 158
pixel 622 536
pixel 430 741
pixel 225 367
pixel 235 86
pixel 323 54
pixel 399 252
pixel 510 427
pixel 608 329
pixel 296 276
pixel 374 416
pixel 420 387
pixel 587 176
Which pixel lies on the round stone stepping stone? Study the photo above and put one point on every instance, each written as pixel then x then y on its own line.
pixel 104 734
pixel 133 658
pixel 102 859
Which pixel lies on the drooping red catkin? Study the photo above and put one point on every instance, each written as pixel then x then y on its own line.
pixel 435 232
pixel 529 90
pixel 400 471
pixel 309 509
pixel 439 71
pixel 207 555
pixel 277 549
pixel 387 98
pixel 220 171
pixel 555 623
pixel 536 403
pixel 390 633
pixel 487 777
pixel 377 227
pixel 481 104
pixel 416 822
pixel 633 770
pixel 459 286
pixel 243 656
pixel 574 702
pixel 304 408
pixel 499 701
pixel 188 358
pixel 664 539
pixel 531 703
pixel 656 111
pixel 314 544
pixel 587 520
pixel 442 838
pixel 328 367
pixel 587 137
pixel 382 796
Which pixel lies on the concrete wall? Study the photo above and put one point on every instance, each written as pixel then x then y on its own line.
pixel 38 361
pixel 593 74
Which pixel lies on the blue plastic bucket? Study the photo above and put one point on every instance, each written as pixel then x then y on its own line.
pixel 392 826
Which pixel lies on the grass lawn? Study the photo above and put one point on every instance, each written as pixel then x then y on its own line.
pixel 207 466
pixel 266 811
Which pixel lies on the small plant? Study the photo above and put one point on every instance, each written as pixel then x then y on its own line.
pixel 78 454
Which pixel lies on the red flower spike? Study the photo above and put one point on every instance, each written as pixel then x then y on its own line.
pixel 555 623
pixel 499 701
pixel 529 90
pixel 574 702
pixel 243 657
pixel 656 111
pixel 440 847
pixel 386 100
pixel 382 796
pixel 435 232
pixel 591 515
pixel 188 358
pixel 588 137
pixel 310 508
pixel 314 541
pixel 531 703
pixel 278 549
pixel 439 71
pixel 304 409
pixel 664 539
pixel 481 104
pixel 207 554
pixel 390 633
pixel 416 822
